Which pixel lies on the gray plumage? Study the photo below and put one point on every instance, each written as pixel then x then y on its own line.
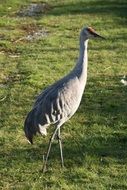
pixel 58 103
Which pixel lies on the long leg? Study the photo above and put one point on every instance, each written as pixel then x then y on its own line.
pixel 60 144
pixel 49 148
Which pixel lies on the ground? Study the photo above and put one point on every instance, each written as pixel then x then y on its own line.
pixel 95 139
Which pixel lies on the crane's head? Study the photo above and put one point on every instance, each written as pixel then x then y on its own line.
pixel 89 32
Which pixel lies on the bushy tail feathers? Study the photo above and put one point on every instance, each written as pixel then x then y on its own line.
pixel 29 127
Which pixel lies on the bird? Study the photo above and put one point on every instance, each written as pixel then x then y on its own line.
pixel 58 102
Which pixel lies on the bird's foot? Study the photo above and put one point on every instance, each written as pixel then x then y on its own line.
pixel 62 165
pixel 44 169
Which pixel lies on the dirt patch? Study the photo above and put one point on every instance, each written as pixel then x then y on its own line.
pixel 32 32
pixel 30 28
pixel 33 36
pixel 34 9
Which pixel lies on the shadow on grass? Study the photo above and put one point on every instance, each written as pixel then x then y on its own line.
pixel 97 7
pixel 99 149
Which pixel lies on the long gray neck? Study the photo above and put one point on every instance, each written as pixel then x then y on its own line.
pixel 81 66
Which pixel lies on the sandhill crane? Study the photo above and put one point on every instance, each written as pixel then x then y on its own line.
pixel 59 102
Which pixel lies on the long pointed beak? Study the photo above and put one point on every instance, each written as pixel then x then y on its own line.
pixel 98 36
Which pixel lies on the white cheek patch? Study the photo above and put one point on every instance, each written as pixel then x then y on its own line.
pixel 43 129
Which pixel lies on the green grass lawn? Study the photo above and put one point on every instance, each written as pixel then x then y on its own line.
pixel 95 139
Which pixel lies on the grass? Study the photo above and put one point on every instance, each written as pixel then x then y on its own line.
pixel 95 139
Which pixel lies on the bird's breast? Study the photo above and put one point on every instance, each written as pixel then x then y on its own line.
pixel 68 100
